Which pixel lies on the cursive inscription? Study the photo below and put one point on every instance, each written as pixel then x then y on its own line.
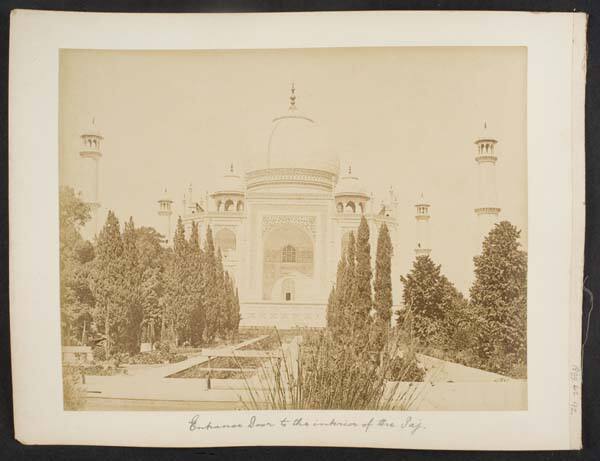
pixel 409 424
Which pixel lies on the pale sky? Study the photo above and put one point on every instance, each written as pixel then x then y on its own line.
pixel 404 117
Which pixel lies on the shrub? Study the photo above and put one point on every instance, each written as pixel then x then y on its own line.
pixel 73 393
pixel 161 355
pixel 405 368
pixel 105 369
pixel 99 353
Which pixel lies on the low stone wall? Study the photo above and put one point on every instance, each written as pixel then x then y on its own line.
pixel 465 396
pixel 283 315
pixel 77 354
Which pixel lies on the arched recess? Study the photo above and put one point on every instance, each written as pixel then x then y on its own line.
pixel 288 254
pixel 229 205
pixel 288 288
pixel 240 205
pixel 340 207
pixel 350 206
pixel 225 240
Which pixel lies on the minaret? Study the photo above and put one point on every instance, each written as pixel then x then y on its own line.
pixel 91 153
pixel 487 202
pixel 164 209
pixel 423 246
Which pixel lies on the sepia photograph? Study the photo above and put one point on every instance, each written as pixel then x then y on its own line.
pixel 280 229
pixel 344 229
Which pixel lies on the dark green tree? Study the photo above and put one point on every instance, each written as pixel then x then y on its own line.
pixel 331 309
pixel 180 299
pixel 236 311
pixel 76 254
pixel 196 266
pixel 499 299
pixel 153 260
pixel 221 300
pixel 363 296
pixel 132 284
pixel 107 283
pixel 382 287
pixel 428 295
pixel 211 287
pixel 231 312
pixel 345 290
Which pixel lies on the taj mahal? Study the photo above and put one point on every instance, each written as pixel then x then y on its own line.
pixel 282 224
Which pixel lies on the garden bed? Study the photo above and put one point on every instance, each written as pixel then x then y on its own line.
pixel 233 362
pixel 153 358
pixel 201 371
pixel 103 370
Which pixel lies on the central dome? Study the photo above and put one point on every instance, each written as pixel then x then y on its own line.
pixel 296 141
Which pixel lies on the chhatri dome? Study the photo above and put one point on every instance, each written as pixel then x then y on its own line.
pixel 350 185
pixel 297 141
pixel 230 183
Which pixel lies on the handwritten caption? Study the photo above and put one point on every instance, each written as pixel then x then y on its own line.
pixel 409 424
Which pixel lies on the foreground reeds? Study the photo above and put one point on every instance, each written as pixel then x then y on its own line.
pixel 316 372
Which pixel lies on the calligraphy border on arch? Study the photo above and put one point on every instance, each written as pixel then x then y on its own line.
pixel 307 222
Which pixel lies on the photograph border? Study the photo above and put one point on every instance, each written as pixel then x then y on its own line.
pixel 553 33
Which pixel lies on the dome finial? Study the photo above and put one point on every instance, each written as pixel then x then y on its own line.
pixel 349 168
pixel 231 168
pixel 293 98
pixel 485 125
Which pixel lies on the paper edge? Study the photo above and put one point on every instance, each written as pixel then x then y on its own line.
pixel 579 69
pixel 577 218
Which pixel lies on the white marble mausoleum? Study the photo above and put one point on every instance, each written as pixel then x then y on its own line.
pixel 281 225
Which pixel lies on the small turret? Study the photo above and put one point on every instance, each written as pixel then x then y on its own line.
pixel 165 210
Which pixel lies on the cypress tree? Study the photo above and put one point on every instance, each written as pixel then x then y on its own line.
pixel 229 327
pixel 363 294
pixel 236 311
pixel 132 283
pixel 382 299
pixel 335 303
pixel 180 299
pixel 346 292
pixel 210 287
pixel 196 281
pixel 221 300
pixel 180 245
pixel 152 260
pixel 331 309
pixel 107 279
